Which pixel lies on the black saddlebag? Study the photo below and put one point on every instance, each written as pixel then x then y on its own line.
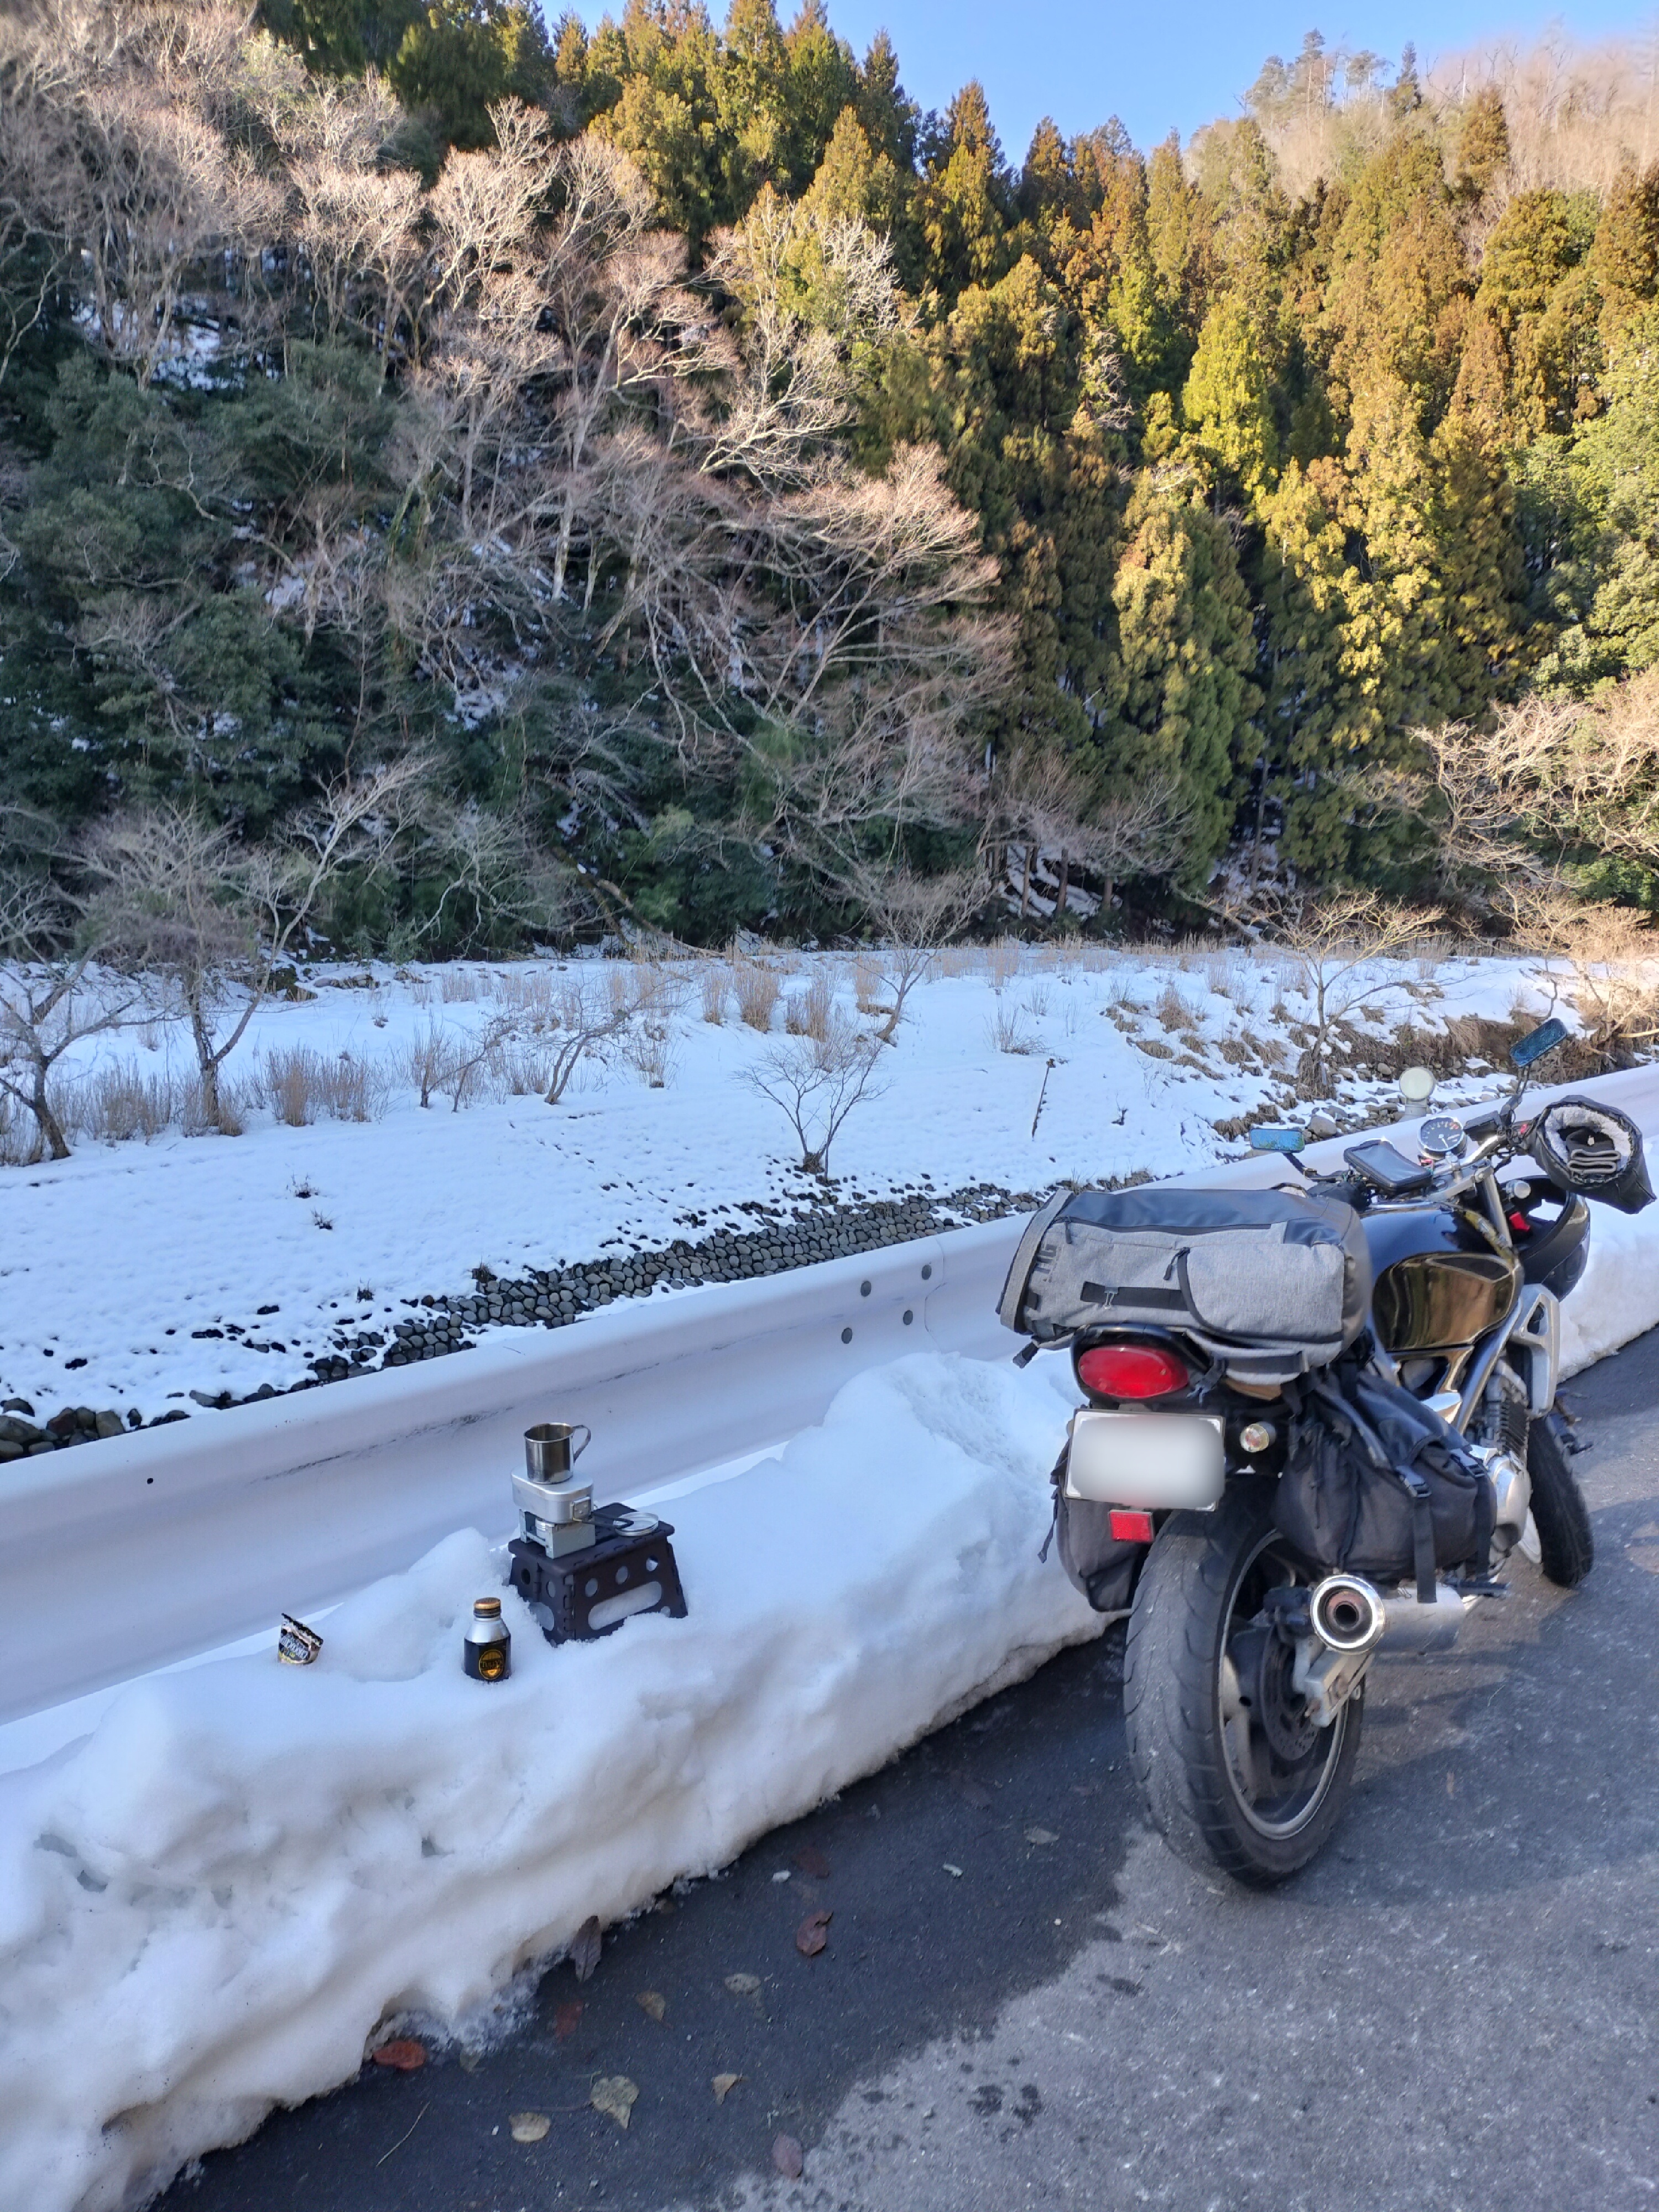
pixel 1272 1283
pixel 1097 1562
pixel 1378 1484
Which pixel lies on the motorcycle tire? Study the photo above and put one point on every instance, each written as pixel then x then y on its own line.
pixel 1232 1772
pixel 1566 1547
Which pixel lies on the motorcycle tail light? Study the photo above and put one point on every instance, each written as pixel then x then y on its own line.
pixel 1131 1370
pixel 1129 1527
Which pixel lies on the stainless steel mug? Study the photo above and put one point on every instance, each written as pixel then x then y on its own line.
pixel 549 1449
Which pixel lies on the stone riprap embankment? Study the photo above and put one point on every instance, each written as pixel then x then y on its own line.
pixel 438 1324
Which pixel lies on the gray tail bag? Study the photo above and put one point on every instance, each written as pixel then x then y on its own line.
pixel 1270 1283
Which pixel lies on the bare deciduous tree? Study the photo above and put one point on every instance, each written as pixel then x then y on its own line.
pixel 816 1083
pixel 1041 807
pixel 52 997
pixel 913 915
pixel 179 895
pixel 1336 946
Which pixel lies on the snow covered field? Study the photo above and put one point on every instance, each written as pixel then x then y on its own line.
pixel 113 1263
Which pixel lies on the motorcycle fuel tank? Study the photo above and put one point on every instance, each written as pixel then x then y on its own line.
pixel 1438 1285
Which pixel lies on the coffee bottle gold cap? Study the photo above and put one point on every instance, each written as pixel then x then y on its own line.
pixel 487 1608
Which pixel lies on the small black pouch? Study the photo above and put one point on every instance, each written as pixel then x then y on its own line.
pixel 1097 1562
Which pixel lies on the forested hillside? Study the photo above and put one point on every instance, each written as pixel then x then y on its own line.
pixel 747 501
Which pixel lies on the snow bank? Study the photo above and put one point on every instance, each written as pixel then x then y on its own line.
pixel 1618 1296
pixel 207 1906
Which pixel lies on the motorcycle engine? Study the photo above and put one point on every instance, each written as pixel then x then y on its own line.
pixel 1500 1439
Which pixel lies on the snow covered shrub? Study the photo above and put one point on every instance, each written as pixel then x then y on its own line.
pixel 816 1083
pixel 808 1013
pixel 757 988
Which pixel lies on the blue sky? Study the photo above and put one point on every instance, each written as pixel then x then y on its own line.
pixel 1157 67
pixel 1160 66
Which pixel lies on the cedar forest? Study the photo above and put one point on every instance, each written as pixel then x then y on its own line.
pixel 740 500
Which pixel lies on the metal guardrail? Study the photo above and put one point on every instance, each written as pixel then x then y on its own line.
pixel 126 1555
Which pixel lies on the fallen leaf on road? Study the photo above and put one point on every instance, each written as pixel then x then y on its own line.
pixel 811 1936
pixel 723 2084
pixel 743 1986
pixel 613 2094
pixel 567 2018
pixel 949 1868
pixel 584 1947
pixel 403 2052
pixel 471 2061
pixel 529 2127
pixel 786 2156
pixel 809 1859
pixel 653 2001
pixel 1041 1836
pixel 977 1794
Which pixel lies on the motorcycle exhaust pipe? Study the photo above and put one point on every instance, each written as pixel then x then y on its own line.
pixel 1347 1613
pixel 1413 1628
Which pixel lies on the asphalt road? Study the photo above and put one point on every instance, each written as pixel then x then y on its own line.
pixel 1457 2008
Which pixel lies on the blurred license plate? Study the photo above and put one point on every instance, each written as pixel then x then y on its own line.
pixel 1159 1461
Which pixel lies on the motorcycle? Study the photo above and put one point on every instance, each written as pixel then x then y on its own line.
pixel 1319 1422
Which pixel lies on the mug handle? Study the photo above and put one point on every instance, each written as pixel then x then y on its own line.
pixel 577 1449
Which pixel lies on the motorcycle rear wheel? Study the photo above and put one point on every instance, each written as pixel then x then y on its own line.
pixel 1231 1772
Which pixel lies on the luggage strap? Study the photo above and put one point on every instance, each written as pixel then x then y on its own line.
pixel 1421 1498
pixel 1422 1533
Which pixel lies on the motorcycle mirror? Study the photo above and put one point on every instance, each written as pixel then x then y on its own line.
pixel 1536 1042
pixel 1417 1085
pixel 1270 1140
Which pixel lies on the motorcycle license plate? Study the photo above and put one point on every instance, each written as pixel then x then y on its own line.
pixel 1158 1461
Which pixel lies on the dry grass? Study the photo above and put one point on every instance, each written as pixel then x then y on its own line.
pixel 648 1046
pixel 1174 1012
pixel 300 1085
pixel 463 986
pixel 756 987
pixel 1008 1031
pixel 520 1070
pixel 711 983
pixel 807 1012
pixel 1002 964
pixel 120 1104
